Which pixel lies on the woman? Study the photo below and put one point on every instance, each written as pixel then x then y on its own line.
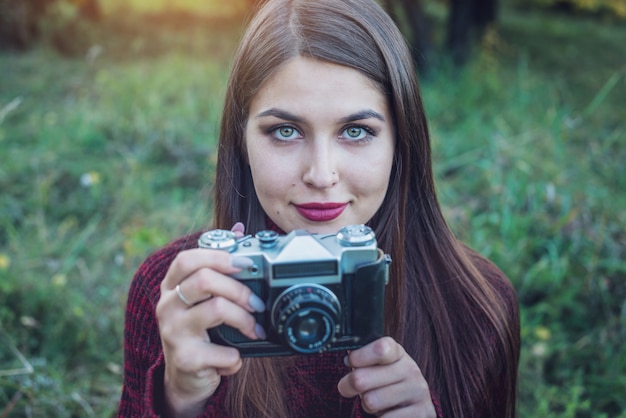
pixel 323 126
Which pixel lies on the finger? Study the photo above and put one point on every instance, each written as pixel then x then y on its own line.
pixel 346 388
pixel 191 358
pixel 238 229
pixel 399 400
pixel 383 351
pixel 175 324
pixel 390 388
pixel 226 360
pixel 189 261
pixel 387 398
pixel 206 283
pixel 427 411
pixel 221 311
pixel 368 378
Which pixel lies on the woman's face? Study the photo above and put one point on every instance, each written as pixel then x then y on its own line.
pixel 320 144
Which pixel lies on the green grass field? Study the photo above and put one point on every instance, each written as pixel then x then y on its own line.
pixel 107 152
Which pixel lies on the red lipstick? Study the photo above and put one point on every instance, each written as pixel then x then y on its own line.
pixel 321 212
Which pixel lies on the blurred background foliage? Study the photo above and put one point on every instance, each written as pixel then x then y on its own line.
pixel 611 7
pixel 109 113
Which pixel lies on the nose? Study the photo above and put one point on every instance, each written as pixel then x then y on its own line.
pixel 319 170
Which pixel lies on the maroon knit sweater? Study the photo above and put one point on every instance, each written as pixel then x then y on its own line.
pixel 313 378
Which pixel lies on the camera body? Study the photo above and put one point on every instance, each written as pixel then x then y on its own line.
pixel 322 292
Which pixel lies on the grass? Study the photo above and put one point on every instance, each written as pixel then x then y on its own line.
pixel 105 156
pixel 530 143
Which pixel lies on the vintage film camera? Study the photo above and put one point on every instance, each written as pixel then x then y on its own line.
pixel 323 292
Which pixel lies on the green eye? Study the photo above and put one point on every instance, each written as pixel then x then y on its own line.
pixel 286 131
pixel 354 132
pixel 357 133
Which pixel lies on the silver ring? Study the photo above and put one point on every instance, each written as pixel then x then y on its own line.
pixel 182 297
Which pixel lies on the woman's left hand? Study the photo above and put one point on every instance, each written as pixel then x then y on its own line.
pixel 388 381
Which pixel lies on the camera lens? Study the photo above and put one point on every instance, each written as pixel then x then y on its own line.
pixel 306 317
pixel 308 328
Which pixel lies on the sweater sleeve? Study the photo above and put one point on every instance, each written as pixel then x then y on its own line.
pixel 143 393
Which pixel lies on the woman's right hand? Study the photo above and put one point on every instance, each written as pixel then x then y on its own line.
pixel 193 364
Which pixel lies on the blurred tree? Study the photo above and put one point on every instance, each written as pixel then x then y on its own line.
pixel 467 21
pixel 21 20
pixel 89 9
pixel 410 17
pixel 614 8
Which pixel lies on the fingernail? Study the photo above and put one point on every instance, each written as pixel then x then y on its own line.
pixel 238 227
pixel 241 262
pixel 346 361
pixel 260 332
pixel 256 303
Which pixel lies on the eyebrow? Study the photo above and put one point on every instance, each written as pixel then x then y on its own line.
pixel 280 114
pixel 363 114
pixel 283 114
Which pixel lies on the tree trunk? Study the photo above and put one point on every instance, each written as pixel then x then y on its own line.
pixel 412 21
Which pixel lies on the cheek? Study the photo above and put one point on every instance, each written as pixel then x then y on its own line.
pixel 378 186
pixel 374 180
pixel 271 177
pixel 260 163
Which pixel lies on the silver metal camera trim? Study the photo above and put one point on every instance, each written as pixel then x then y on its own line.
pixel 345 236
pixel 297 247
pixel 207 241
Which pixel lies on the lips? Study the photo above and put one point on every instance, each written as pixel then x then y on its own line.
pixel 321 212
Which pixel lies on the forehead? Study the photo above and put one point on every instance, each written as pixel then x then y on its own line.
pixel 316 80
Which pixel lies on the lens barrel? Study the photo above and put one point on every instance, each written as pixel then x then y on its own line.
pixel 307 317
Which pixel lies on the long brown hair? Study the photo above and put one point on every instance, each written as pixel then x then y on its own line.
pixel 439 305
